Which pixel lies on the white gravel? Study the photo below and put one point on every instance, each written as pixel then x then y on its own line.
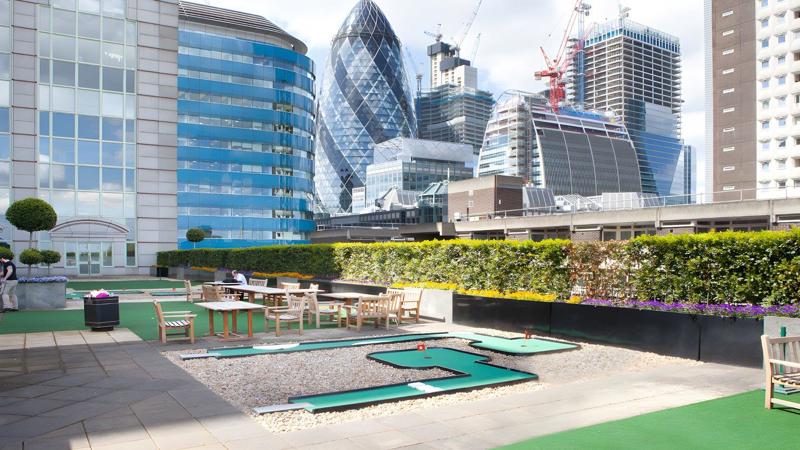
pixel 270 379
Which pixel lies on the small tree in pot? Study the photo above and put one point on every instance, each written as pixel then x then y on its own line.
pixel 29 257
pixel 195 235
pixel 31 215
pixel 50 257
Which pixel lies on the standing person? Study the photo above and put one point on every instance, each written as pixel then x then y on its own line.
pixel 239 278
pixel 9 287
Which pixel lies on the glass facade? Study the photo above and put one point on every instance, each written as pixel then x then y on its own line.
pixel 572 152
pixel 86 118
pixel 364 100
pixel 245 140
pixel 5 103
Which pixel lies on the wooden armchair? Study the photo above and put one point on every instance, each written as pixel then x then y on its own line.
pixel 313 286
pixel 174 320
pixel 212 293
pixel 781 366
pixel 369 307
pixel 293 312
pixel 394 306
pixel 191 296
pixel 285 285
pixel 412 300
pixel 257 282
pixel 331 310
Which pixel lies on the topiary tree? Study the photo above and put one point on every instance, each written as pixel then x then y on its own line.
pixel 31 215
pixel 29 257
pixel 195 235
pixel 6 253
pixel 50 257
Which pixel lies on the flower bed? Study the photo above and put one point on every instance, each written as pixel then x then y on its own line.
pixel 43 280
pixel 720 310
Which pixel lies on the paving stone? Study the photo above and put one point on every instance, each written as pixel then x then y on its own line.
pixel 259 443
pixel 32 406
pixel 81 410
pixel 118 436
pixel 144 444
pixel 35 426
pixel 386 439
pixel 35 390
pixel 78 394
pixel 6 419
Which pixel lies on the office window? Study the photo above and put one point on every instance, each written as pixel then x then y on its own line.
pixel 728 168
pixel 781 80
pixel 727 13
pixel 781 60
pixel 781 163
pixel 729 51
pixel 765 104
pixel 729 91
pixel 782 121
pixel 781 184
pixel 781 38
pixel 765 43
pixel 727 33
pixel 764 23
pixel 728 110
pixel 728 71
pixel 782 101
pixel 765 145
pixel 765 165
pixel 781 17
pixel 764 3
pixel 764 84
pixel 765 63
pixel 728 187
pixel 765 125
pixel 781 143
pixel 728 149
pixel 729 129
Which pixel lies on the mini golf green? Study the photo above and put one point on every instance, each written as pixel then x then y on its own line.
pixel 81 294
pixel 140 318
pixel 118 285
pixel 512 346
pixel 736 422
pixel 168 293
pixel 471 371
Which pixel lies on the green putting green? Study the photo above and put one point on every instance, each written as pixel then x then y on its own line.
pixel 517 346
pixel 123 284
pixel 168 293
pixel 81 294
pixel 471 371
pixel 735 422
pixel 140 318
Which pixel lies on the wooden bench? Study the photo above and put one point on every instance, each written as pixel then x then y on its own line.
pixel 781 367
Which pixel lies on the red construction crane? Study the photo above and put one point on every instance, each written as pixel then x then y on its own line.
pixel 557 66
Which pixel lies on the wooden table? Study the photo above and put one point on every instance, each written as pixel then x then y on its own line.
pixel 230 307
pixel 347 297
pixel 265 291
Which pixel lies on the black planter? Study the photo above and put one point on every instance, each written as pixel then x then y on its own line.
pixel 161 272
pixel 731 340
pixel 501 314
pixel 101 314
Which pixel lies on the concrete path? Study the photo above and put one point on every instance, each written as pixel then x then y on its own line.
pixel 110 391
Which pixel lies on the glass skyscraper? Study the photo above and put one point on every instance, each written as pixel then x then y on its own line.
pixel 635 71
pixel 364 100
pixel 245 131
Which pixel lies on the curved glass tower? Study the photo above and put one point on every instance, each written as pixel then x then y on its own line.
pixel 364 100
pixel 245 130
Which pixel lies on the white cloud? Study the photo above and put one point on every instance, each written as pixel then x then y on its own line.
pixel 511 33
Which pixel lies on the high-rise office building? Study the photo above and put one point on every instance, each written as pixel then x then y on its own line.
pixel 363 100
pixel 730 63
pixel 87 123
pixel 569 152
pixel 245 130
pixel 777 99
pixel 454 109
pixel 413 164
pixel 634 70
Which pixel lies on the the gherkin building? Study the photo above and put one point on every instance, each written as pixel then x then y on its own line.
pixel 363 100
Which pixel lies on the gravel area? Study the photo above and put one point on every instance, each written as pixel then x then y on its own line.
pixel 270 379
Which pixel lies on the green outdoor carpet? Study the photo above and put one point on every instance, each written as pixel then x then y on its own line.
pixel 181 293
pixel 736 422
pixel 123 284
pixel 140 318
pixel 81 294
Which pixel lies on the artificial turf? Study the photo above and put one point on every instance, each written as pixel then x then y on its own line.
pixel 735 422
pixel 123 284
pixel 140 318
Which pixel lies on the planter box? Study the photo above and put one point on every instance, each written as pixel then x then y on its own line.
pixel 197 275
pixel 101 314
pixel 42 295
pixel 437 304
pixel 725 340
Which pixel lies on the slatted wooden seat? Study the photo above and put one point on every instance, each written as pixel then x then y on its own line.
pixel 174 320
pixel 395 306
pixel 412 300
pixel 369 307
pixel 191 296
pixel 781 366
pixel 317 309
pixel 257 282
pixel 293 312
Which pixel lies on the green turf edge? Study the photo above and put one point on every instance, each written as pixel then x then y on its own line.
pixel 735 422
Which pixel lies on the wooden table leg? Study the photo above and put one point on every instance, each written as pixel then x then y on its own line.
pixel 224 324
pixel 251 297
pixel 211 322
pixel 235 315
pixel 249 323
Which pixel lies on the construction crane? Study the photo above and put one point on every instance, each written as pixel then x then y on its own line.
pixel 457 42
pixel 417 72
pixel 475 48
pixel 437 36
pixel 557 66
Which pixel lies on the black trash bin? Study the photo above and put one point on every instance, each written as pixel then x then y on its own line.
pixel 101 314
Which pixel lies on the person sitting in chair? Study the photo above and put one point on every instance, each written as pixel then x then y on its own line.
pixel 239 278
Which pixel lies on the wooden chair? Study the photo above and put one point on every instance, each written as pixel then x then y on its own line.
pixel 394 306
pixel 781 366
pixel 293 312
pixel 212 293
pixel 190 295
pixel 369 307
pixel 313 286
pixel 412 300
pixel 285 285
pixel 331 310
pixel 257 282
pixel 174 320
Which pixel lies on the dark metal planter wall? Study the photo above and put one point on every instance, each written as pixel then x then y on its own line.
pixel 704 338
pixel 337 286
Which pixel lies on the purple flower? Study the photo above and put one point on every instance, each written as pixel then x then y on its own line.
pixel 44 280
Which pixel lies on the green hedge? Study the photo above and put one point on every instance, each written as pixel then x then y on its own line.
pixel 755 267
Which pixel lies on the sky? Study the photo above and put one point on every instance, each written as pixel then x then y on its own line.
pixel 511 32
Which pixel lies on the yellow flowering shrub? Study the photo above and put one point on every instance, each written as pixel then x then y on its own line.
pixel 299 276
pixel 204 269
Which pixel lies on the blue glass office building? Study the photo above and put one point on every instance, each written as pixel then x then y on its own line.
pixel 364 100
pixel 635 71
pixel 245 130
